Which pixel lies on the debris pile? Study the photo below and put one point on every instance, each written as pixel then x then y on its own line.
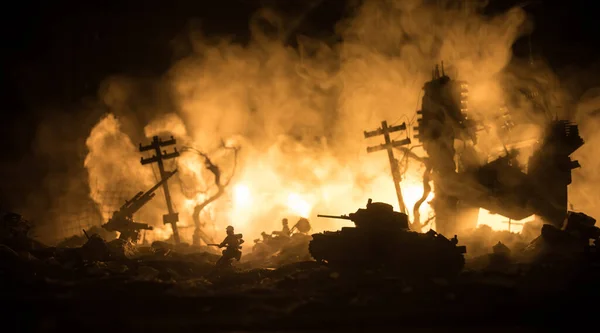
pixel 79 240
pixel 282 247
pixel 83 280
pixel 480 241
pixel 578 236
pixel 14 233
pixel 500 258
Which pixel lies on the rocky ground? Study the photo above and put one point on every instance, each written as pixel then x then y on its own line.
pixel 108 286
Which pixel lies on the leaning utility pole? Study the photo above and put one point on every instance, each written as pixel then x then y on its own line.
pixel 159 156
pixel 389 145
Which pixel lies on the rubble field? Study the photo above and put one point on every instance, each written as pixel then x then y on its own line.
pixel 187 293
pixel 113 286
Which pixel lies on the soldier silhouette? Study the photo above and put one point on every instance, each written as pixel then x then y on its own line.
pixel 232 244
pixel 285 230
pixel 265 237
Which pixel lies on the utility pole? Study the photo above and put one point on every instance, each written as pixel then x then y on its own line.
pixel 389 145
pixel 159 156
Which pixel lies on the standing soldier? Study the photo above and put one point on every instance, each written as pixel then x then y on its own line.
pixel 232 244
pixel 285 231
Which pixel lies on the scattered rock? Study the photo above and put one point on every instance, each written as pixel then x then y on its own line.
pixel 95 249
pixel 120 248
pixel 97 268
pixel 147 273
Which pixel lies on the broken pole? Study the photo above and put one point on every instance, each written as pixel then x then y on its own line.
pixel 389 145
pixel 156 144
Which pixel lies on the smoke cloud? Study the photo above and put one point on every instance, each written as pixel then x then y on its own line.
pixel 583 193
pixel 298 113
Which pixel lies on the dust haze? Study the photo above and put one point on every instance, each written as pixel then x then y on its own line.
pixel 298 113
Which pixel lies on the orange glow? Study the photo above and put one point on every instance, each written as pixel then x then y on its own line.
pixel 499 222
pixel 298 116
pixel 161 232
pixel 270 184
pixel 298 206
pixel 242 195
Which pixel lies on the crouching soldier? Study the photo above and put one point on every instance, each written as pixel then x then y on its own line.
pixel 232 244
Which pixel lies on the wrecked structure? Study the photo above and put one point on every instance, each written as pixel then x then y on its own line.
pixel 464 181
pixel 578 235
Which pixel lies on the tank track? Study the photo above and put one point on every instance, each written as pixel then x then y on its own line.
pixel 402 253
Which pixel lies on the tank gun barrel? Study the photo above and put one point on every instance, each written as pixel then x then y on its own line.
pixel 339 217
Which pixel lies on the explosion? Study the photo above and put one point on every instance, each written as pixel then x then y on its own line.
pixel 298 115
pixel 242 196
pixel 298 206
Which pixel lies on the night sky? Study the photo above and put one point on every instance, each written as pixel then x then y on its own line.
pixel 56 53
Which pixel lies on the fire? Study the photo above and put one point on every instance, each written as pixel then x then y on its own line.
pixel 412 191
pixel 160 232
pixel 270 184
pixel 499 222
pixel 266 190
pixel 298 206
pixel 189 204
pixel 242 197
pixel 298 116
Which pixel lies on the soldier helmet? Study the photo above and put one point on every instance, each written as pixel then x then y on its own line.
pixel 229 228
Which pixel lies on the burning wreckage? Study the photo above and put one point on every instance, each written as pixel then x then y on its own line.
pixel 399 266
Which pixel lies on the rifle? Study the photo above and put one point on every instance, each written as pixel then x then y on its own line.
pixel 219 245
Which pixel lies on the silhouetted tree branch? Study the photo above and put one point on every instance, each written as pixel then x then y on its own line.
pixel 221 185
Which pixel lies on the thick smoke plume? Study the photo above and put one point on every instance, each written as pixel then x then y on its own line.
pixel 584 193
pixel 298 113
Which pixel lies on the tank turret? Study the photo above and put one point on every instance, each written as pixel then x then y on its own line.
pixel 382 240
pixel 377 216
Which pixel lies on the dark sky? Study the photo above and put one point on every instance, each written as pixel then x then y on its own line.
pixel 54 53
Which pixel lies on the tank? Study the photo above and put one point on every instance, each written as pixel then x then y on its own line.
pixel 382 240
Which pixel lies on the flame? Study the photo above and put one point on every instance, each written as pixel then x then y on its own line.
pixel 499 222
pixel 298 205
pixel 412 191
pixel 189 204
pixel 266 189
pixel 160 232
pixel 298 116
pixel 242 195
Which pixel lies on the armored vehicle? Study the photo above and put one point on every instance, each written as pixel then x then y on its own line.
pixel 383 241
